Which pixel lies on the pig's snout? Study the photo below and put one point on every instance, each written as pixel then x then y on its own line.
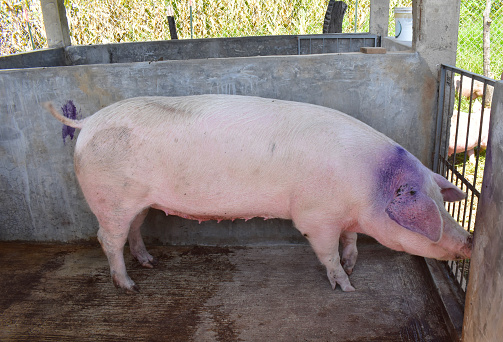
pixel 467 248
pixel 465 252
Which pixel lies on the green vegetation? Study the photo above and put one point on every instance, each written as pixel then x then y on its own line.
pixel 114 21
pixel 470 51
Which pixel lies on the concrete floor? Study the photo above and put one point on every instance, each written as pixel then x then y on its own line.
pixel 274 293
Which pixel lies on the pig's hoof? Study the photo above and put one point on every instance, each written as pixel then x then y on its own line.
pixel 348 269
pixel 133 290
pixel 348 265
pixel 145 259
pixel 128 285
pixel 343 283
pixel 347 288
pixel 150 263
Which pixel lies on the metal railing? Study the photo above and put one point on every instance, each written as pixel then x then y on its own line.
pixel 460 141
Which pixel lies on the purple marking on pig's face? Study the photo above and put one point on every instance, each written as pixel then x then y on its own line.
pixel 397 168
pixel 416 212
pixel 69 111
pixel 400 193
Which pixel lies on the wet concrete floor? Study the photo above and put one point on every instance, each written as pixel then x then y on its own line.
pixel 54 292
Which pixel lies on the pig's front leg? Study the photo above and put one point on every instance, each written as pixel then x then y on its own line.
pixel 349 251
pixel 471 156
pixel 325 243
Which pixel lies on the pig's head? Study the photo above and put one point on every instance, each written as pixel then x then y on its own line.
pixel 410 200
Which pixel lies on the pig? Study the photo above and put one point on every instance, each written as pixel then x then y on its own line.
pixel 225 157
pixel 465 86
pixel 460 126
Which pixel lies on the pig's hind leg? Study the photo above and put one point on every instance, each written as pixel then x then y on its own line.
pixel 136 244
pixel 112 237
pixel 349 251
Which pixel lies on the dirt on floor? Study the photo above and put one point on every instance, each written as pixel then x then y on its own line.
pixel 54 292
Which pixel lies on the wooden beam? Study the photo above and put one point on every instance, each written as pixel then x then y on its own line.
pixel 56 24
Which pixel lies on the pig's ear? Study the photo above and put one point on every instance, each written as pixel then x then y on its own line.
pixel 450 192
pixel 416 212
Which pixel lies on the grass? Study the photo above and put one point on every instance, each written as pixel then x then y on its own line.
pixel 470 52
pixel 116 21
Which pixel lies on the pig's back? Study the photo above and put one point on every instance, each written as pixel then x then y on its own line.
pixel 224 112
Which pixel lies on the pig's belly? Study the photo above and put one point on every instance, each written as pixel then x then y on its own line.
pixel 195 214
pixel 235 204
pixel 226 198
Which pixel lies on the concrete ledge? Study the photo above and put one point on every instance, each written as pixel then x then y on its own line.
pixel 186 49
pixel 34 59
pixel 394 45
pixel 450 297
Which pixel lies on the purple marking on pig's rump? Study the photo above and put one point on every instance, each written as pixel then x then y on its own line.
pixel 69 111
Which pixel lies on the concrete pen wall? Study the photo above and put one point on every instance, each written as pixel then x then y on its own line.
pixel 41 200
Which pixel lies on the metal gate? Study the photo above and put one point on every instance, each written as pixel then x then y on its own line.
pixel 460 141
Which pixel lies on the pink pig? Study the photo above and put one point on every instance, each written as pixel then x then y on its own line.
pixel 458 141
pixel 222 157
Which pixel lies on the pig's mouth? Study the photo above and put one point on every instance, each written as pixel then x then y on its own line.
pixel 462 252
pixel 466 250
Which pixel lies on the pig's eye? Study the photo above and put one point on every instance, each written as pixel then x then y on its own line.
pixel 399 191
pixel 405 189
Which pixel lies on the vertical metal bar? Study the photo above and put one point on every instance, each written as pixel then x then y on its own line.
pixel 447 124
pixel 479 141
pixel 457 128
pixel 298 45
pixel 438 130
pixel 191 27
pixel 356 14
pixel 468 125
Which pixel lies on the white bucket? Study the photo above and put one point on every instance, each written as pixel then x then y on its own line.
pixel 403 23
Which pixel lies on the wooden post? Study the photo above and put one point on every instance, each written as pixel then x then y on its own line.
pixel 56 24
pixel 171 22
pixel 334 16
pixel 487 39
pixel 435 31
pixel 172 28
pixel 484 302
pixel 486 36
pixel 379 17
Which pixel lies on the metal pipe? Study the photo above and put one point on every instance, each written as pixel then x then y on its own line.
pixel 356 13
